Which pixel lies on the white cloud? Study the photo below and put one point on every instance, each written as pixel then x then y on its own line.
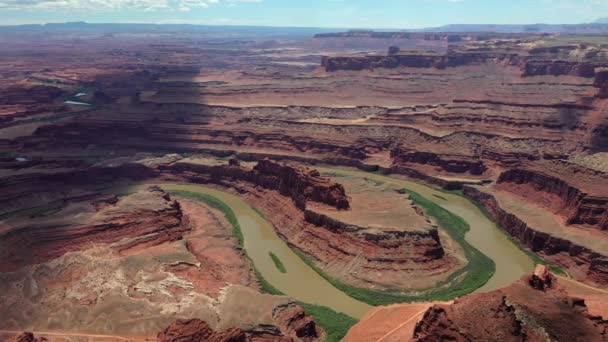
pixel 145 5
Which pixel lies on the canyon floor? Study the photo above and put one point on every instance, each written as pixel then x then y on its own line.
pixel 290 185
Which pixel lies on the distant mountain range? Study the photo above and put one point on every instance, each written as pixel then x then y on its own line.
pixel 598 27
pixel 215 30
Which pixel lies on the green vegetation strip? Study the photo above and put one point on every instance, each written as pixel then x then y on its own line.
pixel 336 324
pixel 277 262
pixel 475 274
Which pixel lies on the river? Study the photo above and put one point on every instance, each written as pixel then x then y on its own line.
pixel 304 284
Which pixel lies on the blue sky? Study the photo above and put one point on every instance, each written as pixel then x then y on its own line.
pixel 317 13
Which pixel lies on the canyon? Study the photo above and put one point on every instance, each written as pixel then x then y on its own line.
pixel 140 175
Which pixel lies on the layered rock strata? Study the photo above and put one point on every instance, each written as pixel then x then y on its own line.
pixel 294 325
pixel 26 100
pixel 152 216
pixel 566 199
pixel 300 184
pixel 594 263
pixel 554 61
pixel 186 330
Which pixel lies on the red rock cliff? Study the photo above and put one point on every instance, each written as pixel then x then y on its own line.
pixel 300 184
pixel 595 263
pixel 576 206
pixel 190 330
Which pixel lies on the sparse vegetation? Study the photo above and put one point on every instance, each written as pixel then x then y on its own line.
pixel 336 324
pixel 259 212
pixel 440 197
pixel 277 262
pixel 265 285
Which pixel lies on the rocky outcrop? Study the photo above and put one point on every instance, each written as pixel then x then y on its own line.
pixel 518 312
pixel 300 184
pixel 293 324
pixel 558 68
pixel 576 206
pixel 449 163
pixel 28 337
pixel 296 324
pixel 192 330
pixel 552 247
pixel 542 279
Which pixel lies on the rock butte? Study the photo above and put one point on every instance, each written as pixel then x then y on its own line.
pixel 517 122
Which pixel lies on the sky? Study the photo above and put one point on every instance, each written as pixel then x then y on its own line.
pixel 306 13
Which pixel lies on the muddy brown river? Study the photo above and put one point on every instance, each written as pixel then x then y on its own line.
pixel 304 284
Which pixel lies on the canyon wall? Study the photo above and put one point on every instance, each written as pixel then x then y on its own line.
pixel 449 163
pixel 552 247
pixel 576 206
pixel 299 184
pixel 555 61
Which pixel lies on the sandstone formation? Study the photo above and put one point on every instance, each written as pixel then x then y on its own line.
pixel 555 60
pixel 542 279
pixel 197 330
pixel 291 319
pixel 300 184
pixel 516 313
